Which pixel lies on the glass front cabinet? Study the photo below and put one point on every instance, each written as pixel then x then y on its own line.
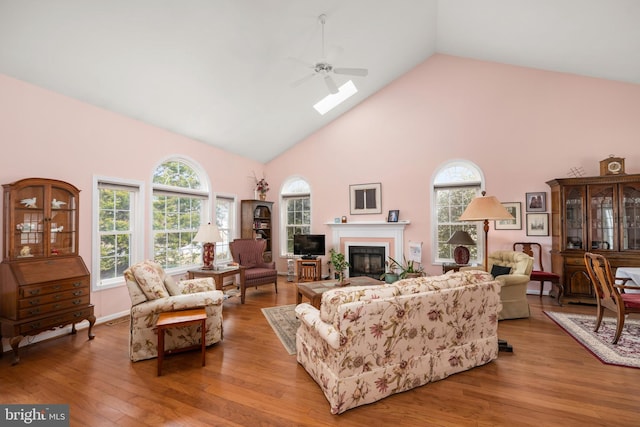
pixel 44 283
pixel 596 214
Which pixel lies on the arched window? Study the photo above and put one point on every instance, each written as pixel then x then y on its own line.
pixel 180 204
pixel 295 200
pixel 455 184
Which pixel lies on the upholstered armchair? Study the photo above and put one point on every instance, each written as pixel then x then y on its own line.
pixel 513 270
pixel 249 254
pixel 153 292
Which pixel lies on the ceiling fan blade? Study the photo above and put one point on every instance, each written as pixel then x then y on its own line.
pixel 352 71
pixel 331 84
pixel 302 80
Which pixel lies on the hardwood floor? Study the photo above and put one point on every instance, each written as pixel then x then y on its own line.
pixel 249 379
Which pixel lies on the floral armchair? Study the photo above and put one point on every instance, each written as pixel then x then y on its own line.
pixel 249 254
pixel 153 292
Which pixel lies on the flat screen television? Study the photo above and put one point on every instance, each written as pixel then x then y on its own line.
pixel 309 246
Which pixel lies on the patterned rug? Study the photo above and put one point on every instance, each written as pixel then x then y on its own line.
pixel 580 327
pixel 284 323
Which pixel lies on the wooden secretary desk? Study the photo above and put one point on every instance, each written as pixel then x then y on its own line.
pixel 44 283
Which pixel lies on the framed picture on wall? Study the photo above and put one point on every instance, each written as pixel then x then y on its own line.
pixel 538 224
pixel 515 209
pixel 536 202
pixel 365 198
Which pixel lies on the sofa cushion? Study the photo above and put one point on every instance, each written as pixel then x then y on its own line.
pixel 334 298
pixel 150 280
pixel 445 281
pixel 498 270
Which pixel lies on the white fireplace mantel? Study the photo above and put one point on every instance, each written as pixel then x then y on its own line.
pixel 344 231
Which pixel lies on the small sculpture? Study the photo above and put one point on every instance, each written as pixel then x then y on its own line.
pixel 57 229
pixel 29 203
pixel 57 204
pixel 25 251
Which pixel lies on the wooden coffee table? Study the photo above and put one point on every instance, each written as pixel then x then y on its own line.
pixel 313 290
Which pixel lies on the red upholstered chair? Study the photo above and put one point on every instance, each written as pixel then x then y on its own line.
pixel 609 294
pixel 538 274
pixel 249 254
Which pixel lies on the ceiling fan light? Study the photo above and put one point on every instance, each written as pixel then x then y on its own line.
pixel 330 101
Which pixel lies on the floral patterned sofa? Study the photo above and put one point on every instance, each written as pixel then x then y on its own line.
pixel 153 292
pixel 368 342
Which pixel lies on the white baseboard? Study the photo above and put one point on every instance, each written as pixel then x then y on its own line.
pixel 65 330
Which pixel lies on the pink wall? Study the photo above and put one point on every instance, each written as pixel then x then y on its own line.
pixel 521 126
pixel 48 135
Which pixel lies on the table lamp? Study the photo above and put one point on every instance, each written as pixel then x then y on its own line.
pixel 485 208
pixel 208 235
pixel 461 253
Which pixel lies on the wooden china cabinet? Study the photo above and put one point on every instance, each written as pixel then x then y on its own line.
pixel 596 214
pixel 44 283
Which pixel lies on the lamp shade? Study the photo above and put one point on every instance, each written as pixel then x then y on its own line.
pixel 461 238
pixel 485 207
pixel 208 233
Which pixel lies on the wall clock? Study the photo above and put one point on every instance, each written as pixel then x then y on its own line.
pixel 612 166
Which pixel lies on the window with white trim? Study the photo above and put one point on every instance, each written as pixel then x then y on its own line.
pixel 118 228
pixel 225 220
pixel 454 186
pixel 180 205
pixel 295 200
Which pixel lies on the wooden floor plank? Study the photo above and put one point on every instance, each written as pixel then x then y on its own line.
pixel 249 379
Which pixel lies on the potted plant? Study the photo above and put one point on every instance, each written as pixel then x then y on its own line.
pixel 391 275
pixel 408 269
pixel 340 265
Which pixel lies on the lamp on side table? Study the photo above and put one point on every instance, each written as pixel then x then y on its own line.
pixel 208 235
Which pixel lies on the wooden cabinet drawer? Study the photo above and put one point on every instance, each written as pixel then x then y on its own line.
pixel 50 298
pixel 51 322
pixel 53 287
pixel 52 307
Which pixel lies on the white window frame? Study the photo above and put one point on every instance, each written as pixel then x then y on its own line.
pixel 478 185
pixel 162 189
pixel 284 199
pixel 232 231
pixel 136 248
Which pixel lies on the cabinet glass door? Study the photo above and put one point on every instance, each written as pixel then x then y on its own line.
pixel 574 215
pixel 62 222
pixel 28 240
pixel 630 217
pixel 602 217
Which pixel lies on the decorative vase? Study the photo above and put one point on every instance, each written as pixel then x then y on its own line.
pixel 390 277
pixel 263 196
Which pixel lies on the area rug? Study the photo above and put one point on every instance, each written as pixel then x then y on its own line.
pixel 580 327
pixel 284 323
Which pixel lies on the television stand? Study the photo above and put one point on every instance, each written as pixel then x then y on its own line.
pixel 309 270
pixel 312 257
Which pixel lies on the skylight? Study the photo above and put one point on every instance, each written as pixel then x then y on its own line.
pixel 330 101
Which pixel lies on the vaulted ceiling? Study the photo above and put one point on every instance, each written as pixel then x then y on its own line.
pixel 224 71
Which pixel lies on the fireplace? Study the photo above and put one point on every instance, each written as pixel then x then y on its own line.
pixel 374 240
pixel 366 261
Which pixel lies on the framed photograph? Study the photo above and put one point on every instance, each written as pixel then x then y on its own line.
pixel 538 224
pixel 365 198
pixel 393 216
pixel 515 209
pixel 536 202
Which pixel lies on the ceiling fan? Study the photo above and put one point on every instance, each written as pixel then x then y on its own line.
pixel 325 69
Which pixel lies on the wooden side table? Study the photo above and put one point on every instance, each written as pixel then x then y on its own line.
pixel 219 275
pixel 309 270
pixel 172 319
pixel 448 266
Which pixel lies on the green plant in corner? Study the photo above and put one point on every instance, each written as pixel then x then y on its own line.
pixel 339 264
pixel 407 268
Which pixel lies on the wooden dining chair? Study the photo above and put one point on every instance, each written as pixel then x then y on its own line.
pixel 609 294
pixel 538 274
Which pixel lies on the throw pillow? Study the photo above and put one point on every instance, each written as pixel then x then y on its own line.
pixel 498 270
pixel 191 286
pixel 149 281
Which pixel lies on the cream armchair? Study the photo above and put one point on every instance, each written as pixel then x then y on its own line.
pixel 513 270
pixel 153 292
